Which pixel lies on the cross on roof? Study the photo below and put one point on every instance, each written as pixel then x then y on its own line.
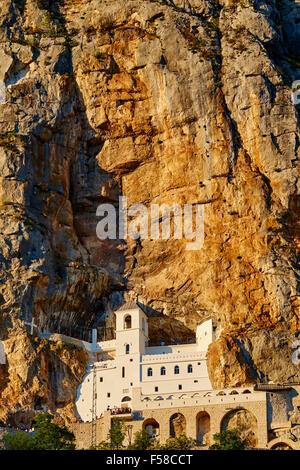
pixel 31 324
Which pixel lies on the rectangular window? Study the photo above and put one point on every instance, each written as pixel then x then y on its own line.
pixel 179 387
pixel 101 379
pixel 108 395
pixel 156 389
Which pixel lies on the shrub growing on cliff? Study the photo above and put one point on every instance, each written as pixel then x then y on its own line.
pixel 228 440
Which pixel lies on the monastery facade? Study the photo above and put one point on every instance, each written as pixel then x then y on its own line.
pixel 166 390
pixel 127 366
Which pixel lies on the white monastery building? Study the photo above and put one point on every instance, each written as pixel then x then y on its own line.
pixel 127 366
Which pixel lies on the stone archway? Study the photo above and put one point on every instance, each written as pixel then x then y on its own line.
pixel 280 443
pixel 245 422
pixel 203 427
pixel 151 426
pixel 281 446
pixel 177 425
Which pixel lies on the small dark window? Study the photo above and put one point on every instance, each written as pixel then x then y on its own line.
pixel 176 370
pixel 101 379
pixel 108 395
pixel 190 369
pixel 156 389
pixel 131 360
pixel 123 372
pixel 149 372
pixel 179 387
pixel 127 348
pixel 162 371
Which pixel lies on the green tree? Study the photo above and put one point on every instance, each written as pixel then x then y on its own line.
pixel 228 440
pixel 116 434
pixel 51 436
pixel 103 445
pixel 142 441
pixel 18 440
pixel 178 443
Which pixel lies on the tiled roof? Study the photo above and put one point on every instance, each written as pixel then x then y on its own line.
pixel 131 305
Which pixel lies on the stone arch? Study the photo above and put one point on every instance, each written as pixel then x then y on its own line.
pixel 245 422
pixel 281 444
pixel 127 322
pixel 233 392
pixel 221 393
pixel 177 425
pixel 203 427
pixel 246 391
pixel 152 426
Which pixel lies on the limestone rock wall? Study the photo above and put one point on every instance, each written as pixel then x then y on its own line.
pixel 161 101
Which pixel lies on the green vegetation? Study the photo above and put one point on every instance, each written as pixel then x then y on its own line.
pixel 99 55
pixel 181 442
pixel 142 441
pixel 17 441
pixel 115 437
pixel 48 436
pixel 228 440
pixel 51 436
pixel 7 140
pixel 116 434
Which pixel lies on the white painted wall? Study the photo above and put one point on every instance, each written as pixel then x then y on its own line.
pixel 205 334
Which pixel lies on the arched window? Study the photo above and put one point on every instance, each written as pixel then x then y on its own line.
pixel 127 349
pixel 190 369
pixel 149 372
pixel 127 322
pixel 162 371
pixel 126 399
pixel 123 372
pixel 176 370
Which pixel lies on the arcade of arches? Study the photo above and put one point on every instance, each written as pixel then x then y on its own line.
pixel 198 425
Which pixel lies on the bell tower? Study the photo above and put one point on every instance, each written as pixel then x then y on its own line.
pixel 131 329
pixel 131 341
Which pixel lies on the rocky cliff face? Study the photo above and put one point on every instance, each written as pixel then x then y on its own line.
pixel 163 102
